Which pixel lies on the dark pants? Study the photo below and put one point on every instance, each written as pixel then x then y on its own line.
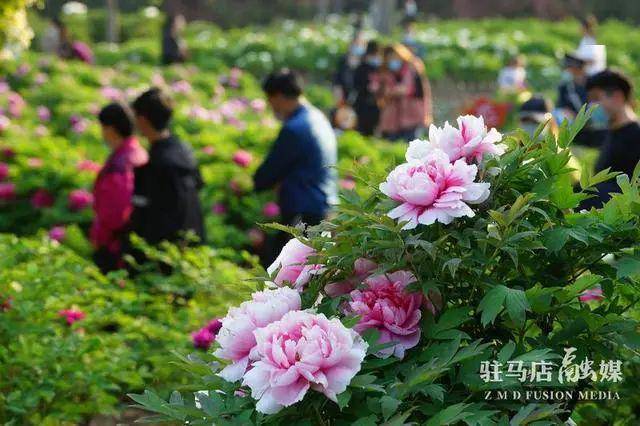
pixel 368 117
pixel 273 245
pixel 105 260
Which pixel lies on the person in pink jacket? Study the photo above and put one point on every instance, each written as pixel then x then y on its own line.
pixel 113 188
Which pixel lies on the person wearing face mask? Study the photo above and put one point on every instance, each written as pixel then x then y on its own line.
pixel 366 85
pixel 343 79
pixel 113 189
pixel 404 95
pixel 301 161
pixel 620 152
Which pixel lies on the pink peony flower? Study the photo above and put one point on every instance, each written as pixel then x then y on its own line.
pixel 41 78
pixel 303 351
pixel 235 74
pixel 386 306
pixel 592 294
pixel 43 113
pixel 291 265
pixel 203 338
pixel 469 141
pixel 7 191
pixel 4 87
pixel 433 189
pixel 242 158
pixel 4 171
pixel 362 268
pixel 236 337
pixel 23 70
pixel 218 209
pixel 79 199
pixel 181 86
pixel 347 183
pixel 42 199
pixel 111 93
pixel 58 233
pixel 35 162
pixel 71 315
pixel 88 166
pixel 157 80
pixel 271 209
pixel 4 123
pixel 214 325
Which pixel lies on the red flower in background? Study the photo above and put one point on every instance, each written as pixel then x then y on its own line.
pixel 42 199
pixel 72 315
pixel 494 113
pixel 80 199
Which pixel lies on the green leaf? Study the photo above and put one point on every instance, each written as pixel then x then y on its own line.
pixel 389 406
pixel 491 304
pixel 434 390
pixel 451 318
pixel 449 415
pixel 517 305
pixel 554 239
pixel 505 353
pixel 452 265
pixel 627 266
pixel 343 399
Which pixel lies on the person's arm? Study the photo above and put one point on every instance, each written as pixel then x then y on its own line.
pixel 283 154
pixel 406 85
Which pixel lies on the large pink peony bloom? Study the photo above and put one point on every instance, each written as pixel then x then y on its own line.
pixel 387 306
pixel 236 337
pixel 302 351
pixel 292 266
pixel 362 268
pixel 470 141
pixel 433 189
pixel 79 199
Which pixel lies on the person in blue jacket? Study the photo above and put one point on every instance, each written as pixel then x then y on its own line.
pixel 301 161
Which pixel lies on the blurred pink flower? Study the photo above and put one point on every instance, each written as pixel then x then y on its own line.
pixel 4 87
pixel 214 325
pixel 302 351
pixel 242 158
pixel 16 104
pixel 362 268
pixel 58 233
pixel 292 266
pixel 23 70
pixel 258 105
pixel 256 237
pixel 469 141
pixel 43 113
pixel 78 124
pixel 236 337
pixel 386 306
pixel 271 209
pixel 42 199
pixel 218 209
pixel 4 123
pixel 157 80
pixel 41 78
pixel 72 315
pixel 235 74
pixel 433 190
pixel 111 93
pixel 593 294
pixel 348 184
pixel 4 171
pixel 203 338
pixel 181 86
pixel 8 153
pixel 79 199
pixel 209 150
pixel 88 166
pixel 35 162
pixel 41 130
pixel 7 191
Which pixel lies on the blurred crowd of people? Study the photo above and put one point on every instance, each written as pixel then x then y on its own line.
pixel 382 90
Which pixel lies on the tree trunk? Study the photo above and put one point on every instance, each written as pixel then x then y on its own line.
pixel 383 14
pixel 113 27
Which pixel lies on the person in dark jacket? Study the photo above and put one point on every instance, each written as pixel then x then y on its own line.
pixel 366 86
pixel 620 152
pixel 165 198
pixel 174 49
pixel 343 78
pixel 301 160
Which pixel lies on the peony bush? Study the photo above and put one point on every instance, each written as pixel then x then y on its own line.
pixel 472 250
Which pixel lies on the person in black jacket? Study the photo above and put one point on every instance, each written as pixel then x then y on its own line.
pixel 165 197
pixel 366 104
pixel 620 152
